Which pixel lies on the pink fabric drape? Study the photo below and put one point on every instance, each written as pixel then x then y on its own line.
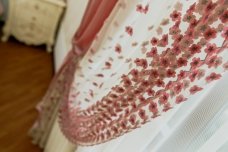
pixel 178 60
pixel 92 22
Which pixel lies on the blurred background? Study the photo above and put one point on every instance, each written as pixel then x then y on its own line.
pixel 25 72
pixel 35 37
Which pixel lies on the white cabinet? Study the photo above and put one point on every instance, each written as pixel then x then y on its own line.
pixel 33 22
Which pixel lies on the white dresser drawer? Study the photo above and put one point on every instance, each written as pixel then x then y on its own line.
pixel 33 21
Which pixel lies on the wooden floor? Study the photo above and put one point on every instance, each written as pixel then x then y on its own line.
pixel 25 73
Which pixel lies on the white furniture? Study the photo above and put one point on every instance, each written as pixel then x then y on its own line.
pixel 33 22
